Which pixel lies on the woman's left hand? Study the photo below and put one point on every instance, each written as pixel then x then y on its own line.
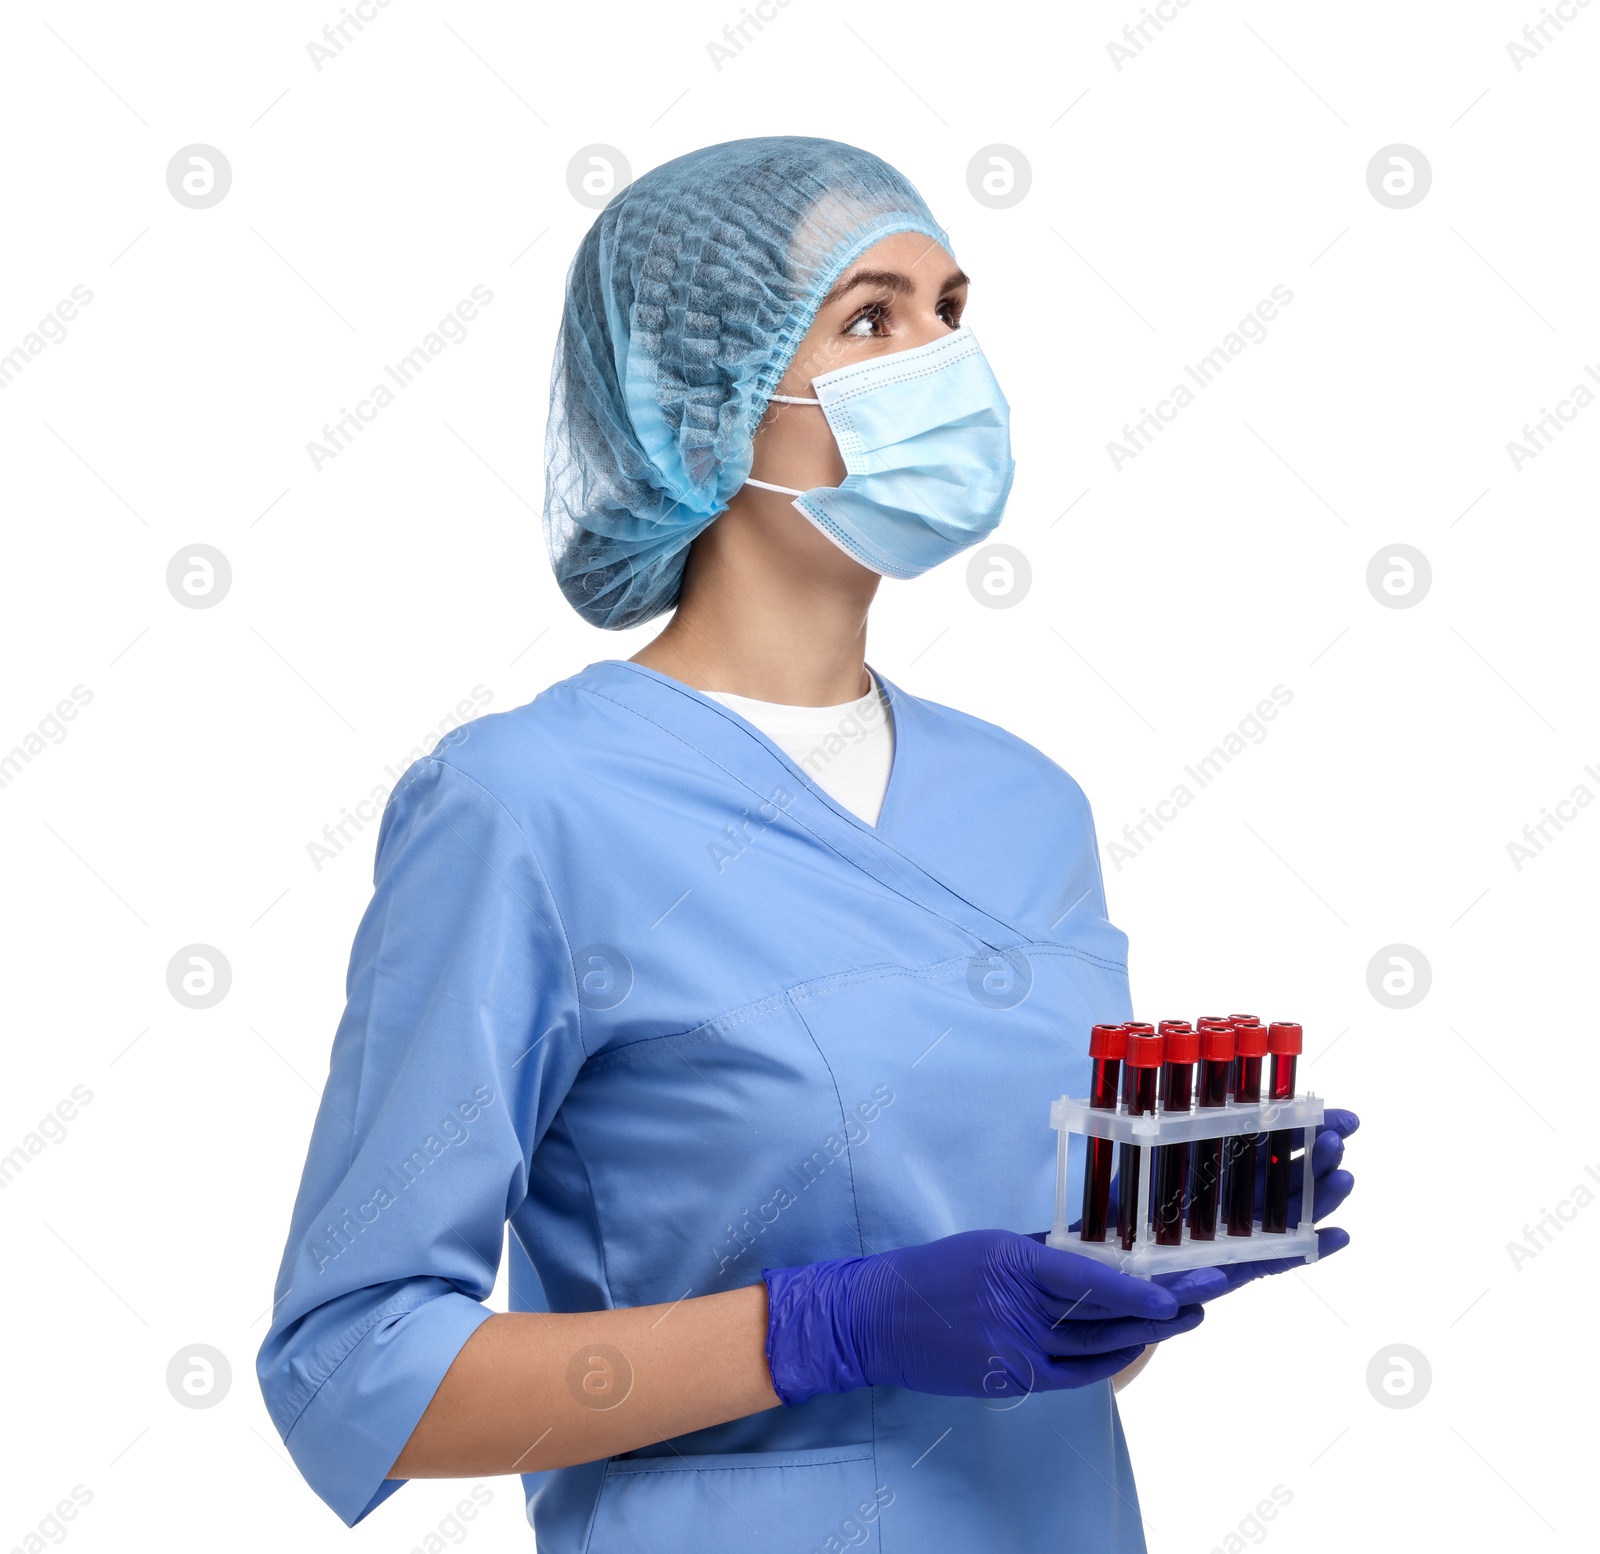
pixel 1332 1186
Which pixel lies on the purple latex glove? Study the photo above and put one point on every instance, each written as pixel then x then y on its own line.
pixel 984 1314
pixel 1332 1186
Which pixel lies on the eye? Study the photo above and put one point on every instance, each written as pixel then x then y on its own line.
pixel 869 323
pixel 951 309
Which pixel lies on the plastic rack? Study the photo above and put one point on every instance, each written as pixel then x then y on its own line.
pixel 1151 1131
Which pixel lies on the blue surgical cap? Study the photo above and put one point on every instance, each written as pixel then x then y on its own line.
pixel 684 306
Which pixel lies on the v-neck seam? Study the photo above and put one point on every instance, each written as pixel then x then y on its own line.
pixel 761 734
pixel 882 689
pixel 838 809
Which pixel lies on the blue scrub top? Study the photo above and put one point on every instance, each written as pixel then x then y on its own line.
pixel 634 983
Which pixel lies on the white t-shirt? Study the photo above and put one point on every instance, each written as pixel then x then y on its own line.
pixel 846 750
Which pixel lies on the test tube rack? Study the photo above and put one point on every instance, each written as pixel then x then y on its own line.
pixel 1149 1131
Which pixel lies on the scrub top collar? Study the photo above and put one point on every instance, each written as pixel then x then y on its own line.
pixel 742 751
pixel 892 696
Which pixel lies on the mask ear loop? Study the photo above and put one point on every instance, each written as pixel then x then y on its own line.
pixel 783 399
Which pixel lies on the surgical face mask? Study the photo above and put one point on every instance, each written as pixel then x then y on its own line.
pixel 925 436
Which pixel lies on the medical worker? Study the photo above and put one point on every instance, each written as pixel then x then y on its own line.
pixel 734 978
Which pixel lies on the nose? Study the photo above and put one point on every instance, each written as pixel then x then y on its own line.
pixel 926 325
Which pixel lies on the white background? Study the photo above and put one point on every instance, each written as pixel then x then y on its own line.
pixel 1167 198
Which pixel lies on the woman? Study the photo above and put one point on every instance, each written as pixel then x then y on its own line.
pixel 744 1017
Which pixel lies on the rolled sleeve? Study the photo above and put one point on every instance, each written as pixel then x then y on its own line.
pixel 458 1041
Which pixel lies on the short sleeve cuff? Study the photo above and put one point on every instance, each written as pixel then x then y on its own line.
pixel 349 1434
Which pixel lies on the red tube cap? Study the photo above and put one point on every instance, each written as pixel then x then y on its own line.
pixel 1250 1041
pixel 1243 1019
pixel 1144 1051
pixel 1284 1037
pixel 1166 1027
pixel 1216 1045
pixel 1107 1041
pixel 1211 1019
pixel 1138 1028
pixel 1181 1046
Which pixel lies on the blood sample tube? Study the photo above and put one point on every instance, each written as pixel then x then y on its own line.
pixel 1249 1047
pixel 1166 1027
pixel 1205 1166
pixel 1234 1022
pixel 1132 1028
pixel 1181 1050
pixel 1283 1042
pixel 1107 1043
pixel 1140 1071
pixel 1218 1022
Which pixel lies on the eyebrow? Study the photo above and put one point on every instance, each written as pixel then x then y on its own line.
pixel 890 280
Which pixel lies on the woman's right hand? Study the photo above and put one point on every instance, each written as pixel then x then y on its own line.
pixel 984 1314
